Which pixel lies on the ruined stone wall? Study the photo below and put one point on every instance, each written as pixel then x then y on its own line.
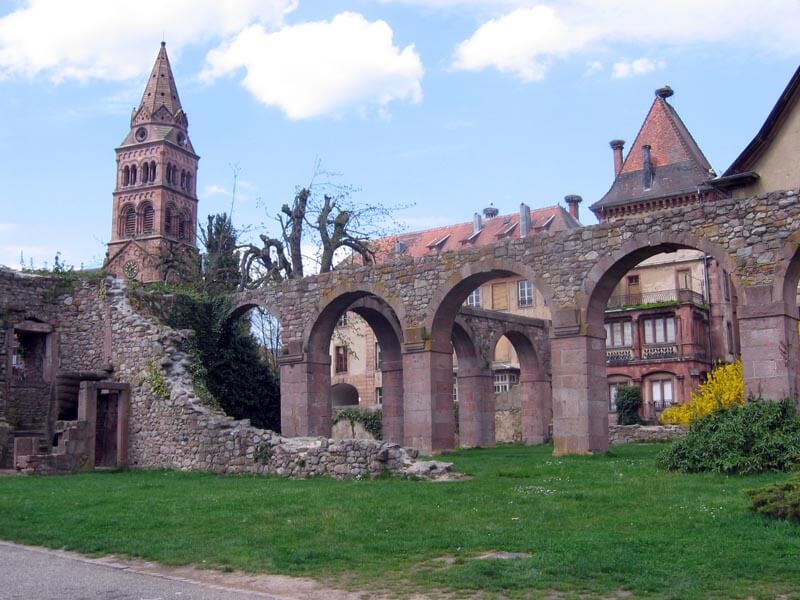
pixel 176 430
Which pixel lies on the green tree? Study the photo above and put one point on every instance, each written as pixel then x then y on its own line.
pixel 629 401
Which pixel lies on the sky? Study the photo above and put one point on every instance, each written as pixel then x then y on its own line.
pixel 444 105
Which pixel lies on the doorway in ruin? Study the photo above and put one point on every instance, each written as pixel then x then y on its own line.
pixel 104 407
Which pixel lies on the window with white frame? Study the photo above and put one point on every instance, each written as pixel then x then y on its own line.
pixel 342 322
pixel 618 334
pixel 504 381
pixel 662 393
pixel 524 293
pixel 378 356
pixel 379 395
pixel 474 298
pixel 455 390
pixel 660 330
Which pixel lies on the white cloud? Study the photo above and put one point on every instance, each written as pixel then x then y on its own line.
pixel 639 66
pixel 85 39
pixel 528 40
pixel 321 67
pixel 522 42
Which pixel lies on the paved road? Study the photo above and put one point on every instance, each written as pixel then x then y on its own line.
pixel 33 574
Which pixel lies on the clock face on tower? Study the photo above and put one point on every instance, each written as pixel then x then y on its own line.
pixel 131 269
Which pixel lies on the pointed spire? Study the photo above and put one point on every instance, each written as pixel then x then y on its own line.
pixel 160 91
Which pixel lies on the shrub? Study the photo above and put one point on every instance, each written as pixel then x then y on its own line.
pixel 759 436
pixel 778 500
pixel 629 401
pixel 724 387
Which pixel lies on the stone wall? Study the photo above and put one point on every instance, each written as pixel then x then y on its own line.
pixel 625 434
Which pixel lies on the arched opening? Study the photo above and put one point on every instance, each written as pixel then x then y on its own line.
pixel 472 394
pixel 145 172
pixel 126 175
pixel 344 394
pixel 664 314
pixel 497 293
pixel 148 218
pixel 152 170
pixel 355 340
pixel 168 177
pixel 133 174
pixel 523 400
pixel 127 221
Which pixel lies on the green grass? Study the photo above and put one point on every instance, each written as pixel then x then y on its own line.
pixel 592 525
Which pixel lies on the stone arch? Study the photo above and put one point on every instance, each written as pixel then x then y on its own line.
pixel 536 399
pixel 787 276
pixel 609 269
pixel 474 385
pixel 344 394
pixel 449 297
pixel 306 378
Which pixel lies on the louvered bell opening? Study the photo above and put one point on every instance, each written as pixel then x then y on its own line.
pixel 148 218
pixel 130 222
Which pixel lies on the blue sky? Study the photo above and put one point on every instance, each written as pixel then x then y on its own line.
pixel 446 104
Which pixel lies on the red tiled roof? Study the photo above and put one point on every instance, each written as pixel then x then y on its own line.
pixel 460 236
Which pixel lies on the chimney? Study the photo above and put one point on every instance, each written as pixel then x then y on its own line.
pixel 476 223
pixel 400 247
pixel 647 169
pixel 616 146
pixel 490 212
pixel 524 219
pixel 572 202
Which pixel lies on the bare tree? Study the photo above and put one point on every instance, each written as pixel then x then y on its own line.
pixel 324 216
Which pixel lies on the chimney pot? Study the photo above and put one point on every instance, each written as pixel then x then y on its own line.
pixel 573 200
pixel 524 219
pixel 476 223
pixel 616 146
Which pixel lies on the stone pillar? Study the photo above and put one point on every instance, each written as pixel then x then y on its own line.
pixel 392 408
pixel 475 408
pixel 428 416
pixel 536 408
pixel 770 345
pixel 580 406
pixel 305 396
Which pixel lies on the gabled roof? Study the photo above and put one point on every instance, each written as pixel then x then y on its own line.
pixel 461 235
pixel 747 159
pixel 678 163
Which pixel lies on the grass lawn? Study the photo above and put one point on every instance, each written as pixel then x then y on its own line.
pixel 592 526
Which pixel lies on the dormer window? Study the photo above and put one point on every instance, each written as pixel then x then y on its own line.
pixel 438 242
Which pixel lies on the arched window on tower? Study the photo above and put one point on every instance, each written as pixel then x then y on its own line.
pixel 182 226
pixel 174 179
pixel 148 218
pixel 183 179
pixel 126 175
pixel 145 172
pixel 168 177
pixel 152 170
pixel 127 221
pixel 169 220
pixel 133 174
pixel 189 182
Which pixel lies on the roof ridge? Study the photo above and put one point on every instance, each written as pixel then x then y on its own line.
pixel 451 225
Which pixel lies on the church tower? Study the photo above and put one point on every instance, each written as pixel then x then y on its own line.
pixel 155 201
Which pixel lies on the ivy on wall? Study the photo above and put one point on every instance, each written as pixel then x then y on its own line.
pixel 371 421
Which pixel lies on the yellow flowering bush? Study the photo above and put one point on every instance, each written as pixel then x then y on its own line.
pixel 723 387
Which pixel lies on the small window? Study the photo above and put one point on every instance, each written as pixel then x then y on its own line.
pixel 145 172
pixel 633 280
pixel 126 175
pixel 152 170
pixel 499 296
pixel 341 359
pixel 726 284
pixel 525 293
pixel 474 298
pixel 378 395
pixel 133 174
pixel 342 321
pixel 684 279
pixel 455 390
pixel 504 381
pixel 378 357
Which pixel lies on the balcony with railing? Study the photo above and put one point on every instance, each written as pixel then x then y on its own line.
pixel 659 351
pixel 619 355
pixel 655 299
